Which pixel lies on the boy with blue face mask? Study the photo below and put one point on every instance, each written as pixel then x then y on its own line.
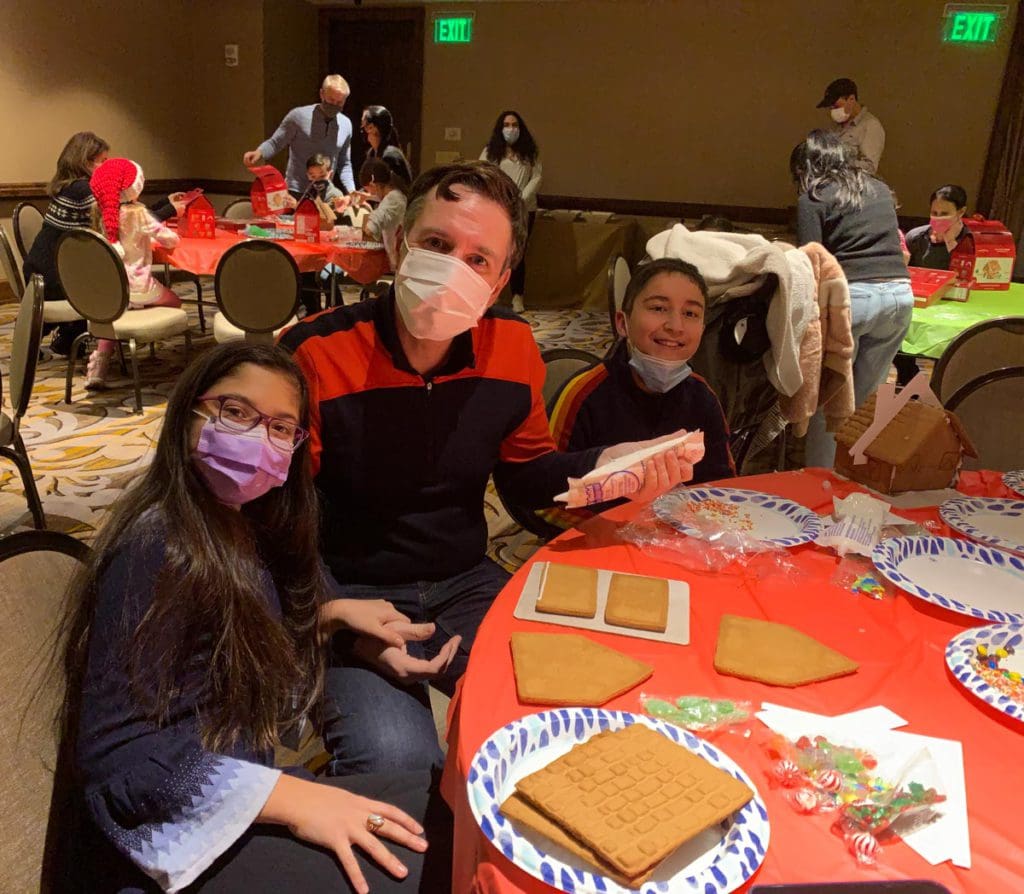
pixel 645 387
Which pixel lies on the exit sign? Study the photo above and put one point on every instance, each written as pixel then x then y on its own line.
pixel 453 28
pixel 972 24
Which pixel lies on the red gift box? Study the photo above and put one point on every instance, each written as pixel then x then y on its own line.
pixel 985 257
pixel 198 220
pixel 928 285
pixel 307 222
pixel 269 192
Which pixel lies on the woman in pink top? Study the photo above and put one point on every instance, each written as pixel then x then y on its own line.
pixel 131 229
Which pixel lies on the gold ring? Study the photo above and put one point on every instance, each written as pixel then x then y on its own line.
pixel 374 823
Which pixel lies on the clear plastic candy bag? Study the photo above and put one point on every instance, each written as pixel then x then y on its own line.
pixel 697 713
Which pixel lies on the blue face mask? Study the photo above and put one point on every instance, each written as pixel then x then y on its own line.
pixel 658 375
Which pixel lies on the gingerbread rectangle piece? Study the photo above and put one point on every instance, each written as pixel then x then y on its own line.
pixel 640 603
pixel 517 809
pixel 569 590
pixel 633 796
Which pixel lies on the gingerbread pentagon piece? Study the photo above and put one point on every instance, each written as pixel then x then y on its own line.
pixel 775 653
pixel 569 669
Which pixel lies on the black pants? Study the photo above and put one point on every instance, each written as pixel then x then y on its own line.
pixel 517 281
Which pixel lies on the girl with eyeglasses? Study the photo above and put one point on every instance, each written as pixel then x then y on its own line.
pixel 194 636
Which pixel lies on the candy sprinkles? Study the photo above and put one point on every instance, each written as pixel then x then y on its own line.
pixel 988 663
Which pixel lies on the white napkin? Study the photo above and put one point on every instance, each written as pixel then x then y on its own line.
pixel 948 837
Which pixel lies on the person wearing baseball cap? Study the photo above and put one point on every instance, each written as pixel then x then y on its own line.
pixel 856 126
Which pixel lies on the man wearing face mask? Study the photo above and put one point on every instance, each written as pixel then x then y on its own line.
pixel 418 397
pixel 318 129
pixel 856 126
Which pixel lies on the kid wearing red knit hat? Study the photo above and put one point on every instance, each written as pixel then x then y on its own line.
pixel 131 229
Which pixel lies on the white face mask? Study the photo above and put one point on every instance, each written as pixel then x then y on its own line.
pixel 438 295
pixel 511 134
pixel 658 375
pixel 839 115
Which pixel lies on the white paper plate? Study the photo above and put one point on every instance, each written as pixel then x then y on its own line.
pixel 1015 481
pixel 677 625
pixel 958 575
pixel 718 861
pixel 770 519
pixel 961 651
pixel 998 523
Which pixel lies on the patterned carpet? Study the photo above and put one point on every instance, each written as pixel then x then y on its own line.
pixel 85 454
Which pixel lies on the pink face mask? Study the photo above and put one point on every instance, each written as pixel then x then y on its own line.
pixel 941 225
pixel 239 467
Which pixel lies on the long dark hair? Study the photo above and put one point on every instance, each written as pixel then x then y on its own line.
pixel 75 161
pixel 821 161
pixel 384 121
pixel 206 597
pixel 525 147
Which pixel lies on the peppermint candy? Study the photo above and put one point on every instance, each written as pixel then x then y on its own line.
pixel 830 781
pixel 864 847
pixel 787 773
pixel 804 800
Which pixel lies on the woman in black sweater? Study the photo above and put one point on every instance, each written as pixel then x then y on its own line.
pixel 852 214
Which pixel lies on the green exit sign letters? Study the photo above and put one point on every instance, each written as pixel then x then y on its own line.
pixel 967 24
pixel 453 28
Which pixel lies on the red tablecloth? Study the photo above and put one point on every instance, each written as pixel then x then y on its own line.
pixel 202 256
pixel 898 641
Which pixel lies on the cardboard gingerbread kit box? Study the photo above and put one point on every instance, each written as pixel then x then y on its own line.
pixel 269 191
pixel 985 259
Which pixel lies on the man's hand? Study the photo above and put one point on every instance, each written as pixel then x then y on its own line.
pixel 376 618
pixel 617 451
pixel 399 665
pixel 661 472
pixel 252 159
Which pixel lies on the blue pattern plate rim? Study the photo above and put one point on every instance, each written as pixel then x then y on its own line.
pixel 889 554
pixel 809 522
pixel 962 648
pixel 958 511
pixel 1015 481
pixel 738 854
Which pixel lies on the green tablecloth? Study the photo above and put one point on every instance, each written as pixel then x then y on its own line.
pixel 933 328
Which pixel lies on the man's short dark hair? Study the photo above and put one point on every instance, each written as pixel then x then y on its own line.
pixel 484 179
pixel 646 272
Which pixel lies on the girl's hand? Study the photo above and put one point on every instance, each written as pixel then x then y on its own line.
pixel 376 618
pixel 335 819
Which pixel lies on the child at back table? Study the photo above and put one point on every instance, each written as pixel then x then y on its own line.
pixel 130 228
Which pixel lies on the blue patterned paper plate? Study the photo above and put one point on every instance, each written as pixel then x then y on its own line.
pixel 770 519
pixel 962 648
pixel 998 523
pixel 958 575
pixel 719 861
pixel 1015 481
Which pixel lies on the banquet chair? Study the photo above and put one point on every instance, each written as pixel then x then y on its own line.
pixel 984 347
pixel 240 209
pixel 257 285
pixel 28 332
pixel 618 278
pixel 171 275
pixel 28 221
pixel 96 283
pixel 9 265
pixel 561 365
pixel 991 410
pixel 35 570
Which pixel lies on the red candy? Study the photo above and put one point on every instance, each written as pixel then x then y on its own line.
pixel 788 773
pixel 804 800
pixel 830 781
pixel 864 847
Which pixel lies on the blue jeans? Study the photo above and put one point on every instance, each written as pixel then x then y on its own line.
pixel 881 316
pixel 373 724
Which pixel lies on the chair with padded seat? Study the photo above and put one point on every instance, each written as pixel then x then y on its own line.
pixel 28 221
pixel 9 265
pixel 96 283
pixel 618 278
pixel 28 332
pixel 560 365
pixel 990 408
pixel 981 348
pixel 36 568
pixel 257 285
pixel 240 209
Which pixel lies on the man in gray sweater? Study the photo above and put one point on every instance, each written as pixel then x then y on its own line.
pixel 320 128
pixel 855 125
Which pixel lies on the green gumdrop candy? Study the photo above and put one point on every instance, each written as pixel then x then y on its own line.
pixel 656 707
